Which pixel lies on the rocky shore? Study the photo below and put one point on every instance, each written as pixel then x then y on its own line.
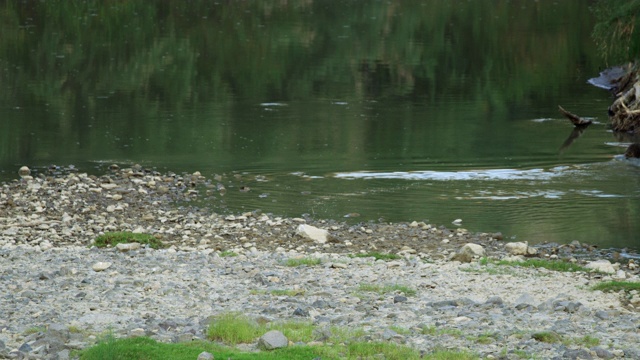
pixel 61 294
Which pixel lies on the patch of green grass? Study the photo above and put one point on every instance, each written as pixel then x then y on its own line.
pixel 587 341
pixel 378 256
pixel 287 292
pixel 228 253
pixel 547 337
pixel 34 329
pixel 340 335
pixel 111 239
pixel 615 286
pixel 233 328
pixel 303 261
pixel 384 289
pixel 296 331
pixel 143 348
pixel 484 339
pixel 521 354
pixel 400 330
pixel 538 263
pixel 74 329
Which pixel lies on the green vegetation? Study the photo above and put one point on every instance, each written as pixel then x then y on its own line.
pixel 384 289
pixel 617 32
pixel 484 338
pixel 400 330
pixel 538 263
pixel 587 341
pixel 434 331
pixel 553 337
pixel 303 261
pixel 228 253
pixel 378 256
pixel 233 328
pixel 111 239
pixel 279 292
pixel 611 286
pixel 547 337
pixel 34 329
pixel 142 348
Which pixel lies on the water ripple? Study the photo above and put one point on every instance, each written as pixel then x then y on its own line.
pixel 488 174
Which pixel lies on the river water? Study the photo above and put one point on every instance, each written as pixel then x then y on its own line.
pixel 356 111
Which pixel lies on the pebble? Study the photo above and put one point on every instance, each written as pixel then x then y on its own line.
pixel 60 282
pixel 69 287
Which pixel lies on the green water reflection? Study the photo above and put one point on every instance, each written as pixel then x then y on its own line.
pixel 272 88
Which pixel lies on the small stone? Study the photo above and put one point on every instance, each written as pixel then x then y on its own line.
pixel 339 265
pixel 205 356
pixel 602 315
pixel 109 186
pixel 603 353
pixel 111 208
pixel 300 312
pixel 273 339
pixel 24 171
pixel 581 354
pixel 495 300
pixel 457 222
pixel 101 266
pixel 128 247
pixel 137 332
pixel 525 299
pixel 399 299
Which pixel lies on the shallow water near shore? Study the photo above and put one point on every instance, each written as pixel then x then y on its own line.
pixel 421 110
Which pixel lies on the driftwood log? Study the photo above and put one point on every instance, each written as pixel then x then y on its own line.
pixel 575 119
pixel 624 84
pixel 624 113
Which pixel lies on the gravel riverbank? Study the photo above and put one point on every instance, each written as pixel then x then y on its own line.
pixel 61 294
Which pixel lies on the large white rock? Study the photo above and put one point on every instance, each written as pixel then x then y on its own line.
pixel 311 232
pixel 468 252
pixel 601 265
pixel 520 248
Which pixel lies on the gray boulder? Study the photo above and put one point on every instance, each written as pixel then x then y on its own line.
pixel 273 339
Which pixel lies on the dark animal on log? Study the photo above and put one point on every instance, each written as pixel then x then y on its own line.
pixel 633 151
